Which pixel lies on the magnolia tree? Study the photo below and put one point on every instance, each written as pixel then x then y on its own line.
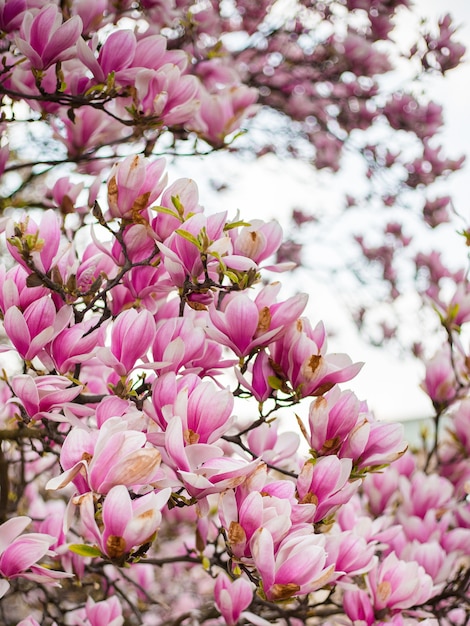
pixel 136 327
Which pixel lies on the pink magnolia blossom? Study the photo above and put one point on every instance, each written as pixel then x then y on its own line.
pixel 297 567
pixel 167 94
pixel 177 341
pixel 31 330
pixel 75 344
pixel 116 54
pixel 41 395
pixel 202 468
pixel 272 446
pixel 90 14
pixel 132 335
pixel 243 518
pixel 325 483
pixel 374 443
pixel 91 128
pixel 19 554
pixel 221 113
pixel 424 492
pixel 65 194
pixel 182 199
pixel 232 597
pixel 11 14
pixel 107 612
pixel 358 607
pixel 44 39
pixel 381 489
pixel 244 325
pixel 331 418
pixel 396 585
pixel 204 410
pixel 350 553
pixel 300 358
pixel 14 290
pixel 45 240
pixel 134 184
pixel 126 523
pixel 199 237
pixel 99 460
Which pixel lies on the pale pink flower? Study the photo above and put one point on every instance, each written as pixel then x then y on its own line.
pixel 14 290
pixel 202 468
pixel 31 330
pixel 182 199
pixel 19 554
pixel 132 335
pixel 107 612
pixel 296 568
pixel 242 519
pixel 258 241
pixel 300 359
pixel 331 418
pixel 76 344
pixel 43 240
pixel 373 443
pixel 41 395
pixel 232 597
pixel 99 460
pixel 134 184
pixel 260 370
pixel 272 446
pixel 127 523
pixel 167 94
pixel 243 324
pixel 358 607
pixel 221 113
pixel 44 39
pixel 397 585
pixel 326 484
pixel 177 341
pixel 205 411
pixel 350 553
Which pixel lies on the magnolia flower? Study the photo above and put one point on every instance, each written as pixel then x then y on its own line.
pixel 45 40
pixel 19 554
pixel 99 460
pixel 296 568
pixel 232 597
pixel 126 523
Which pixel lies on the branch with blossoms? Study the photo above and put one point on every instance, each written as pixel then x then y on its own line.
pixel 176 446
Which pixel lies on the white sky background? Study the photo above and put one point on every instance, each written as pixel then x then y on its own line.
pixel 270 189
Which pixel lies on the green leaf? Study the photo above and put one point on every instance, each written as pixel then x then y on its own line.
pixel 231 276
pixel 188 237
pixel 178 204
pixel 274 382
pixel 83 550
pixel 164 209
pixel 236 225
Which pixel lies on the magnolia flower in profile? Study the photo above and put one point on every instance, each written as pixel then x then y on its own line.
pixel 19 554
pixel 100 460
pixel 126 523
pixel 296 568
pixel 232 597
pixel 134 184
pixel 397 585
pixel 44 39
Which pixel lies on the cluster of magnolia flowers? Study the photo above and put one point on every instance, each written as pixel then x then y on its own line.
pixel 148 491
pixel 128 352
pixel 97 89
